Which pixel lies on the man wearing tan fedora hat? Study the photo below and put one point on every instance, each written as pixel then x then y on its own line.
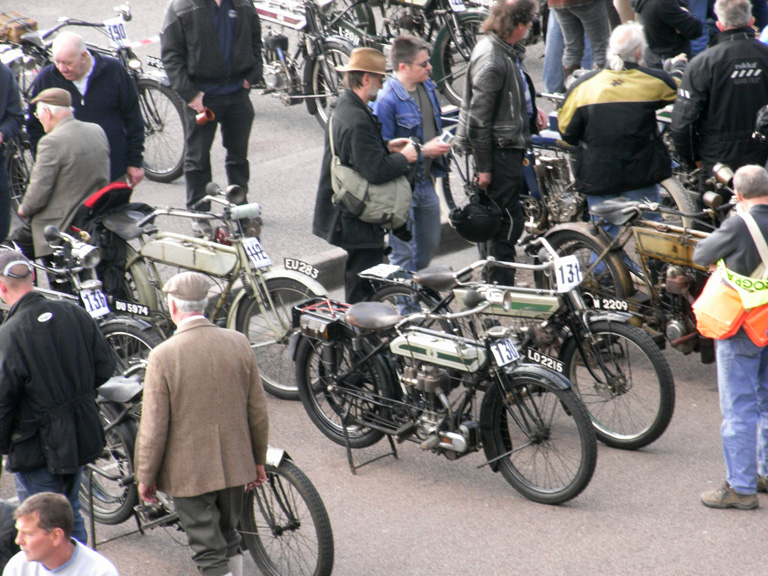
pixel 358 144
pixel 72 163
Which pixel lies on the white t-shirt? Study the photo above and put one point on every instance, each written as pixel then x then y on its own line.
pixel 84 562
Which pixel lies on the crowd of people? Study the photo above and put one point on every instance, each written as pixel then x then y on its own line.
pixel 86 131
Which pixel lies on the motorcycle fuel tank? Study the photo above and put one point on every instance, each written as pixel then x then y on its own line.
pixel 440 351
pixel 218 261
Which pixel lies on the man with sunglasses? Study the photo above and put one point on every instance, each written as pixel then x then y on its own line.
pixel 407 107
pixel 72 163
pixel 52 358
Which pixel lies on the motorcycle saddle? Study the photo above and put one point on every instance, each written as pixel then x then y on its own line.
pixel 125 224
pixel 617 212
pixel 373 315
pixel 121 389
pixel 438 278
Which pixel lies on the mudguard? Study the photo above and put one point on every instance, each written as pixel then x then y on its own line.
pixel 137 323
pixel 547 379
pixel 276 455
pixel 303 279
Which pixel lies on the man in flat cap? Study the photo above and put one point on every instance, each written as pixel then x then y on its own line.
pixel 72 163
pixel 204 427
pixel 52 358
pixel 358 144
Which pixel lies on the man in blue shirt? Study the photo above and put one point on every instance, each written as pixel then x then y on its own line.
pixel 408 107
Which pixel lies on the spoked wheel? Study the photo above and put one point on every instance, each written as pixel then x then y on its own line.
pixel 19 161
pixel 451 56
pixel 164 132
pixel 325 80
pixel 286 527
pixel 269 328
pixel 131 344
pixel 113 501
pixel 546 439
pixel 337 392
pixel 629 392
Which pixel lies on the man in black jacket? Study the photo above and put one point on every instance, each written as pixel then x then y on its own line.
pixel 498 114
pixel 358 144
pixel 211 51
pixel 723 88
pixel 669 28
pixel 52 359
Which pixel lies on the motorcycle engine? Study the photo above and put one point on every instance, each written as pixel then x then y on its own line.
pixel 427 378
pixel 563 202
pixel 407 21
pixel 279 75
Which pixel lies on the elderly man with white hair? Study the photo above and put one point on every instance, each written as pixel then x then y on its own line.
pixel 610 116
pixel 102 93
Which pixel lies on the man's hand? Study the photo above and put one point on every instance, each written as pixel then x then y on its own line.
pixel 197 103
pixel 147 493
pixel 21 214
pixel 246 84
pixel 541 119
pixel 435 148
pixel 410 153
pixel 397 144
pixel 135 175
pixel 483 180
pixel 261 477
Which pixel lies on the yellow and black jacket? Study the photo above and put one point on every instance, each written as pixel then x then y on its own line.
pixel 611 118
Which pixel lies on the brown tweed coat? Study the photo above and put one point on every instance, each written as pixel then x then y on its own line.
pixel 204 419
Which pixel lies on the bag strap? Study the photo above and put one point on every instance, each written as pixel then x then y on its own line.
pixel 757 237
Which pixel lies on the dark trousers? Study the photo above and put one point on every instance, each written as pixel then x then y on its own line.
pixel 22 236
pixel 234 113
pixel 5 198
pixel 357 289
pixel 210 521
pixel 507 183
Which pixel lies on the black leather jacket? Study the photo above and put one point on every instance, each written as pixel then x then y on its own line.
pixel 52 358
pixel 190 50
pixel 493 111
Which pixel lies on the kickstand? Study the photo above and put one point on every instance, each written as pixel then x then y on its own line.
pixel 352 466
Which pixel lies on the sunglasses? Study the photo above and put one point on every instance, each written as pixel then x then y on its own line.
pixel 422 64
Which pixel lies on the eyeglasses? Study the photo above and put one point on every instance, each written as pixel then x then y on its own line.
pixel 422 64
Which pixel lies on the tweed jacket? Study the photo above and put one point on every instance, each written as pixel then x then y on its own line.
pixel 204 413
pixel 72 163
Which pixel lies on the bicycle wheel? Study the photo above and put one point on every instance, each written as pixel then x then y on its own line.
pixel 608 278
pixel 357 397
pixel 164 131
pixel 324 80
pixel 19 161
pixel 630 398
pixel 269 331
pixel 286 527
pixel 450 58
pixel 113 502
pixel 131 344
pixel 545 435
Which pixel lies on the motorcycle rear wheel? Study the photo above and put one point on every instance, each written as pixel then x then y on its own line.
pixel 451 60
pixel 632 404
pixel 325 80
pixel 286 526
pixel 269 331
pixel 548 442
pixel 131 344
pixel 164 130
pixel 359 395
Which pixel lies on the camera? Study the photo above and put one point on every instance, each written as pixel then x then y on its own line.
pixel 446 137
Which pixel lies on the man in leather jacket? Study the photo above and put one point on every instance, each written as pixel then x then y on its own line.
pixel 498 114
pixel 211 51
pixel 714 116
pixel 52 359
pixel 358 144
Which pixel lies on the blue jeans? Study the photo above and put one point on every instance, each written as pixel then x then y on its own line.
pixel 425 226
pixel 554 81
pixel 40 480
pixel 575 21
pixel 742 378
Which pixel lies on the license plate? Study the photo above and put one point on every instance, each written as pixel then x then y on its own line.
pixel 458 6
pixel 299 266
pixel 567 273
pixel 504 352
pixel 115 28
pixel 256 254
pixel 612 304
pixel 95 302
pixel 544 360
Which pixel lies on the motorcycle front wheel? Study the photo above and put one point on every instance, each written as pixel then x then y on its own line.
pixel 324 80
pixel 545 438
pixel 164 131
pixel 131 344
pixel 452 51
pixel 632 397
pixel 340 394
pixel 286 526
pixel 268 328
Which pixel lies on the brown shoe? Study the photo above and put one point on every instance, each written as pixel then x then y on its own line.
pixel 725 497
pixel 762 483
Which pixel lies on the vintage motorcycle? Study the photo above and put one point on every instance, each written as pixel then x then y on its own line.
pixel 365 372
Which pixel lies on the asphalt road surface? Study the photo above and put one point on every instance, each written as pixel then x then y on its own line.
pixel 424 515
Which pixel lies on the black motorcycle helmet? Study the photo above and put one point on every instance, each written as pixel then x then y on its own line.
pixel 479 220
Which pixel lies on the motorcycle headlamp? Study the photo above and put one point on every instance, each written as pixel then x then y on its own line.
pixel 88 256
